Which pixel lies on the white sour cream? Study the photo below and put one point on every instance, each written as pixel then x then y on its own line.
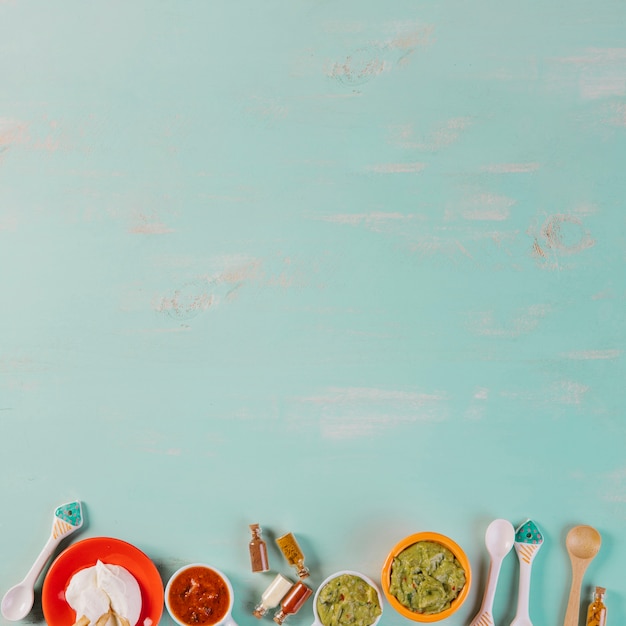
pixel 94 590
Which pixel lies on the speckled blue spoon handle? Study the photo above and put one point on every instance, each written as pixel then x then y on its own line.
pixel 528 540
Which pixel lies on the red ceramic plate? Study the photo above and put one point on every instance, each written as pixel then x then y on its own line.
pixel 85 553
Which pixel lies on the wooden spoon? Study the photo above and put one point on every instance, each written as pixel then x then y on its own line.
pixel 583 543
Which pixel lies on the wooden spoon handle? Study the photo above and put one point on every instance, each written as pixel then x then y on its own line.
pixel 573 604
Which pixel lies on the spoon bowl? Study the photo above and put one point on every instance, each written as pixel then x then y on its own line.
pixel 582 543
pixel 18 601
pixel 499 538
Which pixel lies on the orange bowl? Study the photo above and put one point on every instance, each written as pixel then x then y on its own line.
pixel 461 557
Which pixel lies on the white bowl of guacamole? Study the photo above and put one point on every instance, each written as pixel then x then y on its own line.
pixel 347 598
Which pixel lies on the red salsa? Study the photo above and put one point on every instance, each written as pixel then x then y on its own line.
pixel 198 595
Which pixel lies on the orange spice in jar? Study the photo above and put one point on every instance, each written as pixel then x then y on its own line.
pixel 596 614
pixel 293 553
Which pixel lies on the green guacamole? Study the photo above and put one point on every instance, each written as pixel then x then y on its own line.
pixel 348 600
pixel 426 577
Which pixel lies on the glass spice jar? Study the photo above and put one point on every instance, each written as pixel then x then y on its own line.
pixel 274 593
pixel 293 601
pixel 258 550
pixel 596 614
pixel 293 553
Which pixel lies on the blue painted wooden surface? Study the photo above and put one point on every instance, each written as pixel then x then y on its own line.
pixel 347 269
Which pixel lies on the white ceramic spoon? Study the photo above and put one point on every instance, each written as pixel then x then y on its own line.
pixel 18 601
pixel 499 539
pixel 528 540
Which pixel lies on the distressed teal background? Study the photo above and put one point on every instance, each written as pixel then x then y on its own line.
pixel 347 269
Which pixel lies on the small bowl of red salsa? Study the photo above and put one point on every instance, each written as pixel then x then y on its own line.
pixel 199 595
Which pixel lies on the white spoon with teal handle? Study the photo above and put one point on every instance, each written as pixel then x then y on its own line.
pixel 528 540
pixel 19 600
pixel 499 539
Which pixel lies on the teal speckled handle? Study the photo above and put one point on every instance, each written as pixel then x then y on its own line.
pixel 528 540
